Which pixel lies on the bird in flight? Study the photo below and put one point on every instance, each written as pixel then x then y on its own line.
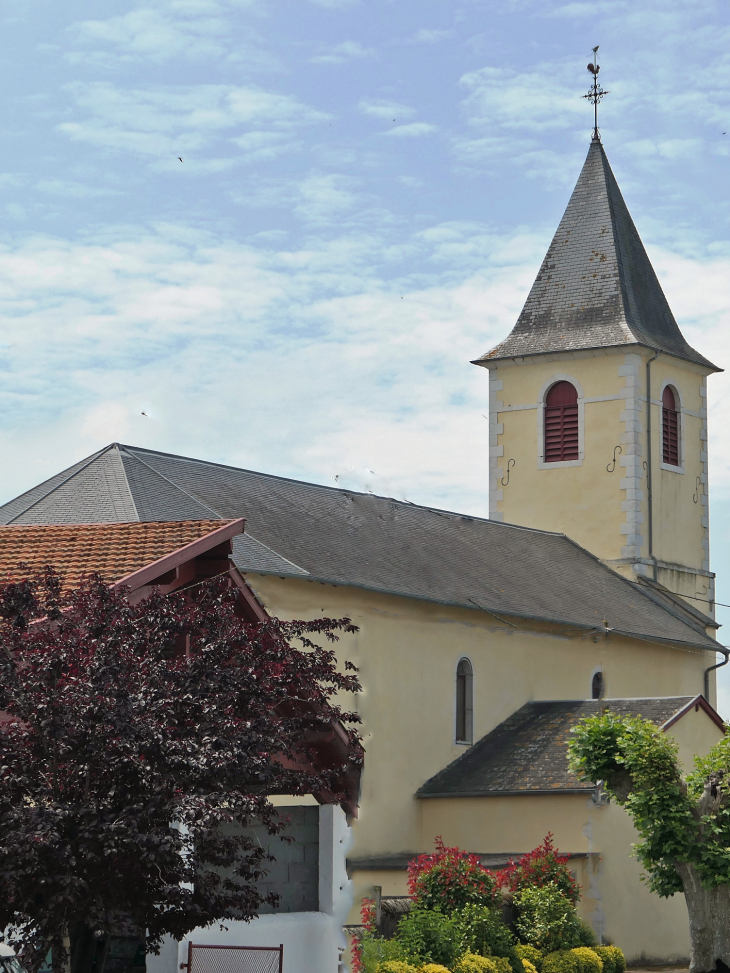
pixel 179 158
pixel 144 414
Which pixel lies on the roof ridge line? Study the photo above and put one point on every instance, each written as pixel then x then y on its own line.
pixel 607 172
pixel 173 484
pixel 133 450
pixel 94 456
pixel 272 550
pixel 644 593
pixel 607 699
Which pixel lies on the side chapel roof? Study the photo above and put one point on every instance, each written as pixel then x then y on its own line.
pixel 596 287
pixel 338 536
pixel 528 752
pixel 115 551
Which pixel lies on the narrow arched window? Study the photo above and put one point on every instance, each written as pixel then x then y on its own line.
pixel 464 702
pixel 670 428
pixel 597 686
pixel 561 423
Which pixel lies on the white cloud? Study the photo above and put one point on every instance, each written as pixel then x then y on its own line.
pixel 533 100
pixel 324 197
pixel 412 130
pixel 340 53
pixel 324 362
pixel 165 122
pixel 194 31
pixel 381 108
pixel 62 187
pixel 107 421
pixel 650 149
pixel 260 146
pixel 509 116
pixel 152 34
pixel 426 36
pixel 335 4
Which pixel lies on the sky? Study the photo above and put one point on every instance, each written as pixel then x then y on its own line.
pixel 274 233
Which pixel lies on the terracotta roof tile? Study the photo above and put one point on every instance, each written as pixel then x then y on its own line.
pixel 114 550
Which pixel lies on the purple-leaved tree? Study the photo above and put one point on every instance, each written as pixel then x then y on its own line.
pixel 134 739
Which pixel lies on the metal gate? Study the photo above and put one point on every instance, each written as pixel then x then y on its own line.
pixel 234 959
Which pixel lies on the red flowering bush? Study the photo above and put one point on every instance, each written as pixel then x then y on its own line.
pixel 542 866
pixel 368 919
pixel 449 879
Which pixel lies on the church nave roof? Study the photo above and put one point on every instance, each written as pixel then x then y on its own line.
pixel 338 536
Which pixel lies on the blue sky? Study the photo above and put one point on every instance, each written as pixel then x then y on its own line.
pixel 366 192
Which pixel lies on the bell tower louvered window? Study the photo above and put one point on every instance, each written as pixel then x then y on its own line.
pixel 561 423
pixel 670 428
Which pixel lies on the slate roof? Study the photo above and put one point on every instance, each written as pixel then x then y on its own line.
pixel 527 754
pixel 596 287
pixel 321 533
pixel 114 550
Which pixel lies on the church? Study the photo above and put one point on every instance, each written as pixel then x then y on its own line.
pixel 481 642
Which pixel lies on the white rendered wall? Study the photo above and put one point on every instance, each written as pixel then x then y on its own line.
pixel 313 941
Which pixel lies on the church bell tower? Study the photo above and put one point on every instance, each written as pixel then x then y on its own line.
pixel 598 406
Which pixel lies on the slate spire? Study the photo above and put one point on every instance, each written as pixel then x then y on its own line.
pixel 596 287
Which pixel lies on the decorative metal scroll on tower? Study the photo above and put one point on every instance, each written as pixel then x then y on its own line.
pixel 596 92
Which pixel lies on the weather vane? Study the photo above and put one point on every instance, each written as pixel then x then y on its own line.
pixel 596 93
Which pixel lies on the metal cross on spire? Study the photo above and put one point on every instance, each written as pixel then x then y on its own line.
pixel 596 93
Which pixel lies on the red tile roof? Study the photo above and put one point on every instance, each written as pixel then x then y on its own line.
pixel 114 550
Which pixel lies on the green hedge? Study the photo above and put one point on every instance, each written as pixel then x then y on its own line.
pixel 612 958
pixel 561 961
pixel 588 960
pixel 532 955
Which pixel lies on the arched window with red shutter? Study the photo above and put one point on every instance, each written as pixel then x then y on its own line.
pixel 561 423
pixel 670 427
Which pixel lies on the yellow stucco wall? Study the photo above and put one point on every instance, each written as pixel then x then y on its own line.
pixel 601 506
pixel 614 900
pixel 407 652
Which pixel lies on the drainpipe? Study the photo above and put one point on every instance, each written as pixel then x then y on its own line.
pixel 650 519
pixel 726 653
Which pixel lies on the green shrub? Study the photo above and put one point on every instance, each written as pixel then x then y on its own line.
pixel 546 919
pixel 612 958
pixel 561 961
pixel 396 966
pixel 528 966
pixel 589 961
pixel 481 930
pixel 605 954
pixel 432 968
pixel 529 953
pixel 375 951
pixel 428 936
pixel 515 961
pixel 471 963
pixel 585 931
